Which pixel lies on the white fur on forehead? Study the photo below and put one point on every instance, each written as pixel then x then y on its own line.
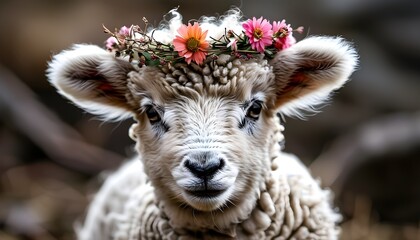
pixel 216 27
pixel 224 77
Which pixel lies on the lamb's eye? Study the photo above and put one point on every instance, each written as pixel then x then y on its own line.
pixel 152 114
pixel 254 110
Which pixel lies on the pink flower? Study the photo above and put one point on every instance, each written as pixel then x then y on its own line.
pixel 122 34
pixel 233 44
pixel 285 42
pixel 110 43
pixel 259 33
pixel 282 35
pixel 125 31
pixel 299 29
pixel 191 43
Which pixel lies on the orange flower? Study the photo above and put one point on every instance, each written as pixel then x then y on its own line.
pixel 191 43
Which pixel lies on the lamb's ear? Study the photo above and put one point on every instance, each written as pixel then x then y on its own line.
pixel 92 78
pixel 307 72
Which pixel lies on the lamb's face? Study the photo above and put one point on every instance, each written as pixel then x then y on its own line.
pixel 205 147
pixel 204 134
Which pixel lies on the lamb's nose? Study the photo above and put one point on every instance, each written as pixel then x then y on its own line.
pixel 204 165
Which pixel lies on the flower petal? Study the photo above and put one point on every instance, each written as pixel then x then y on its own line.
pixel 188 54
pixel 183 31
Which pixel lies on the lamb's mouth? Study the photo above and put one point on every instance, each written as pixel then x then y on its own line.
pixel 206 193
pixel 207 198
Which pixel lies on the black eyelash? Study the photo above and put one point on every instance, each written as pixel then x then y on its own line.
pixel 153 114
pixel 251 116
pixel 254 110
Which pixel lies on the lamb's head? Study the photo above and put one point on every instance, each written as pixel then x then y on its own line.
pixel 205 132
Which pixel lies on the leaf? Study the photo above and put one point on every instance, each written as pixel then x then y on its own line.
pixel 153 62
pixel 147 56
pixel 268 52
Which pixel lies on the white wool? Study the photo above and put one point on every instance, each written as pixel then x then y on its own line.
pixel 107 209
pixel 216 27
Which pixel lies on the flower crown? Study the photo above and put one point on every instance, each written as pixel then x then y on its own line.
pixel 192 44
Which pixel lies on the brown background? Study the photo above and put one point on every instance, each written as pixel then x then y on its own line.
pixel 365 144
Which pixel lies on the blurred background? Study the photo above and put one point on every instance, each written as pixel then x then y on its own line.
pixel 365 144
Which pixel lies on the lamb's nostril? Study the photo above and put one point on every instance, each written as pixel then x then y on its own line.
pixel 206 170
pixel 221 163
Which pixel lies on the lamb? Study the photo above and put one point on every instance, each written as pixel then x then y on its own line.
pixel 207 133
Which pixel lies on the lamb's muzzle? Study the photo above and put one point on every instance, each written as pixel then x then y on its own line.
pixel 204 165
pixel 205 180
